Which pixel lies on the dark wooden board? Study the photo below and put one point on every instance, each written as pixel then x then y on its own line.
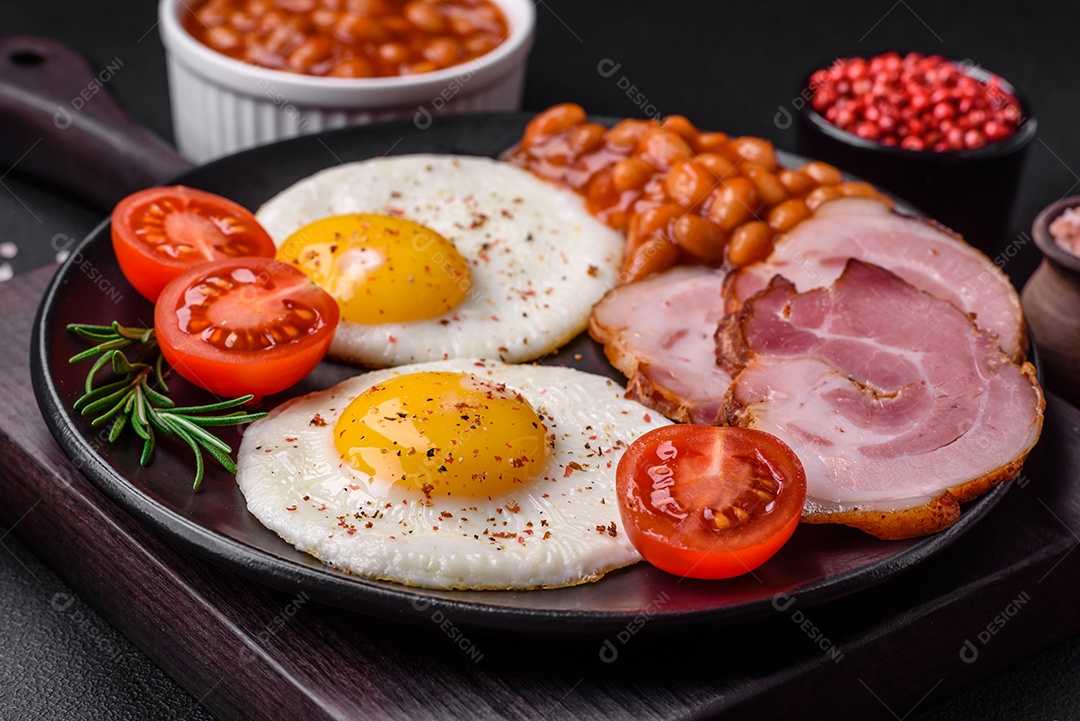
pixel 1005 590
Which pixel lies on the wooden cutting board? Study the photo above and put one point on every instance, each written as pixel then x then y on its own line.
pixel 1003 591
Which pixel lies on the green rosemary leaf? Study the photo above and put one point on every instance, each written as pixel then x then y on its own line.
pixel 155 397
pixel 118 344
pixel 159 377
pixel 199 466
pixel 232 419
pixel 118 408
pixel 209 408
pixel 147 450
pixel 205 438
pixel 104 402
pixel 98 392
pixel 223 458
pixel 117 427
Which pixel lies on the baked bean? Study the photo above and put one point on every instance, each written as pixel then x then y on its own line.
pixel 663 148
pixel 480 44
pixel 556 119
pixel 352 68
pixel 296 6
pixel 857 190
pixel 354 28
pixel 652 256
pixel 658 220
pixel 310 52
pixel 821 195
pixel 271 21
pixel 733 203
pixel 212 14
pixel 425 17
pixel 712 143
pixel 627 133
pixel 242 22
pixel 258 8
pixel 796 183
pixel 788 214
pixel 717 164
pixel 823 173
pixel 699 237
pixel 444 52
pixel 681 127
pixel 750 243
pixel 462 25
pixel 756 150
pixel 393 53
pixel 367 7
pixel 325 18
pixel 689 183
pixel 422 67
pixel 769 188
pixel 631 173
pixel 222 38
pixel 587 138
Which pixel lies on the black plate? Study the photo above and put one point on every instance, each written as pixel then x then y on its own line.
pixel 818 564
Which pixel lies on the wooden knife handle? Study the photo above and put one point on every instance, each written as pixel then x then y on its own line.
pixel 59 122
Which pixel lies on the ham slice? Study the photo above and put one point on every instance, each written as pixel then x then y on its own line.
pixel 924 254
pixel 659 333
pixel 897 405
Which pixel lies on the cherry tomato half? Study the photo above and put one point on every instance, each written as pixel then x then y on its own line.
pixel 159 233
pixel 707 501
pixel 245 325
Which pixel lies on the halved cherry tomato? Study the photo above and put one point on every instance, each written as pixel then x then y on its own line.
pixel 707 501
pixel 159 233
pixel 249 325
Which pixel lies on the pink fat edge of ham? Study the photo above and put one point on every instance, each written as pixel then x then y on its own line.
pixel 814 253
pixel 659 332
pixel 890 396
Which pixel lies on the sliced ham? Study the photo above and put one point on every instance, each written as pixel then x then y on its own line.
pixel 659 333
pixel 924 254
pixel 897 405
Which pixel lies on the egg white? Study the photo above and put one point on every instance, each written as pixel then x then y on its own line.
pixel 538 260
pixel 563 529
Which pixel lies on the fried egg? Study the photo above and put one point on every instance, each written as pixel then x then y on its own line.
pixel 456 474
pixel 436 257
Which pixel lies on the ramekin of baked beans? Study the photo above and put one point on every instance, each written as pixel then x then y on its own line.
pixel 245 72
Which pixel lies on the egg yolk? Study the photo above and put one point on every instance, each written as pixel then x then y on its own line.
pixel 380 269
pixel 444 434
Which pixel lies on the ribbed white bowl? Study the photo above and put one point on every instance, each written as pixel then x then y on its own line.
pixel 221 105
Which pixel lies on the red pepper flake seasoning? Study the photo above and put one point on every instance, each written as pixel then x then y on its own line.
pixel 608 529
pixel 593 271
pixel 317 420
pixel 290 508
pixel 647 418
pixel 513 507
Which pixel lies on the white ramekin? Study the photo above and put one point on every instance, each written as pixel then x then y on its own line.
pixel 221 105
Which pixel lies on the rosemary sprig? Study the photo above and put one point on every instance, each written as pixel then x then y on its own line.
pixel 139 397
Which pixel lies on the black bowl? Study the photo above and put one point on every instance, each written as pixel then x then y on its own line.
pixel 970 191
